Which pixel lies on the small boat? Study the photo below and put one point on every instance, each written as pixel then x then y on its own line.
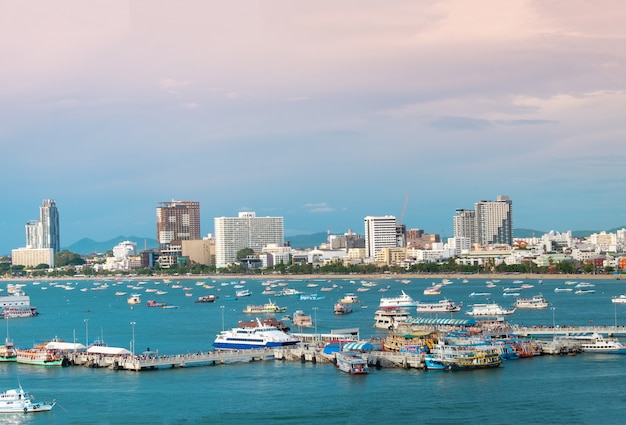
pixel 619 300
pixel 8 353
pixel 342 308
pixel 301 319
pixel 311 297
pixel 584 291
pixel 585 285
pixel 134 299
pixel 563 289
pixel 154 303
pixel 243 293
pixel 480 294
pixel 351 362
pixel 206 299
pixel 19 401
pixel 433 290
pixel 350 299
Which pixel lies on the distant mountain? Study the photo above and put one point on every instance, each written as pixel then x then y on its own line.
pixel 87 246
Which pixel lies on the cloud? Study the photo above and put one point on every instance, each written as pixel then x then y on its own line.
pixel 321 207
pixel 459 123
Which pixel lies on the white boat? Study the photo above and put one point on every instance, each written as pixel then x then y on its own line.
pixel 536 302
pixel 350 299
pixel 400 301
pixel 19 312
pixel 301 319
pixel 243 293
pixel 585 285
pixel 480 294
pixel 596 343
pixel 134 299
pixel 16 298
pixel 619 300
pixel 19 401
pixel 352 363
pixel 433 290
pixel 584 291
pixel 342 308
pixel 489 310
pixel 563 289
pixel 262 336
pixel 386 318
pixel 441 306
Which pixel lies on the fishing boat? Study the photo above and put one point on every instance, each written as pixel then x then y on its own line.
pixel 536 302
pixel 19 401
pixel 342 308
pixel 441 306
pixel 489 310
pixel 261 336
pixel 351 362
pixel 400 301
pixel 269 307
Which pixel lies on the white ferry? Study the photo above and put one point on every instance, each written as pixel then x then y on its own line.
pixel 16 298
pixel 489 310
pixel 536 302
pixel 596 343
pixel 386 318
pixel 441 306
pixel 18 401
pixel 262 336
pixel 400 301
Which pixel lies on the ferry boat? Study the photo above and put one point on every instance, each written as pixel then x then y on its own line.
pixel 461 358
pixel 441 306
pixel 596 343
pixel 536 302
pixel 352 363
pixel 350 299
pixel 400 301
pixel 39 357
pixel 342 308
pixel 489 310
pixel 269 307
pixel 261 336
pixel 390 318
pixel 19 401
pixel 19 312
pixel 16 298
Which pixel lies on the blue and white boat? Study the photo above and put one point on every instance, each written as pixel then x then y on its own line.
pixel 261 336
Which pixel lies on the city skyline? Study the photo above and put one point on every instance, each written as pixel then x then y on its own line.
pixel 322 113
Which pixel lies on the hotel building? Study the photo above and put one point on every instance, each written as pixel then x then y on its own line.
pixel 380 232
pixel 176 221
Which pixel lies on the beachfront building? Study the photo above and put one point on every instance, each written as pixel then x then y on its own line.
pixel 465 225
pixel 32 257
pixel 380 232
pixel 176 221
pixel 233 234
pixel 494 221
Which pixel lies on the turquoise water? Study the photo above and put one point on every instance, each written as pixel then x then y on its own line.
pixel 581 389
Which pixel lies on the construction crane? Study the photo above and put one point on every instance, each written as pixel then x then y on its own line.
pixel 406 201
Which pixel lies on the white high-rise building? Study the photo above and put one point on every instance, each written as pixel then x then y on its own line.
pixel 44 233
pixel 233 234
pixel 380 232
pixel 465 225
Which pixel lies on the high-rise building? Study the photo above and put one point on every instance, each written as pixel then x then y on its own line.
pixel 176 221
pixel 380 232
pixel 44 233
pixel 233 234
pixel 465 225
pixel 494 221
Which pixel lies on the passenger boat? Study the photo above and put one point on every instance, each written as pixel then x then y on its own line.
pixel 39 357
pixel 301 319
pixel 351 362
pixel 19 401
pixel 19 312
pixel 269 307
pixel 596 343
pixel 441 306
pixel 134 299
pixel 261 336
pixel 619 300
pixel 342 308
pixel 400 301
pixel 350 299
pixel 268 321
pixel 536 302
pixel 489 310
pixel 16 298
pixel 390 318
pixel 206 299
pixel 446 357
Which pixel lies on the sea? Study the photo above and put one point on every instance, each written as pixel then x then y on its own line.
pixel 581 389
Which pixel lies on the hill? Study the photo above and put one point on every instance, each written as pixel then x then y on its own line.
pixel 87 246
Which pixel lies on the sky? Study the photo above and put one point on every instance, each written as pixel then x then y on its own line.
pixel 319 112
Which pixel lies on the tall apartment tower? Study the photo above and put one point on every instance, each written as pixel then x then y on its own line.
pixel 233 234
pixel 380 232
pixel 494 221
pixel 44 233
pixel 177 221
pixel 465 225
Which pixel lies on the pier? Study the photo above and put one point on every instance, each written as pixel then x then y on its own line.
pixel 564 330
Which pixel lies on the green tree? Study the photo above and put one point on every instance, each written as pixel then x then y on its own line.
pixel 244 253
pixel 67 258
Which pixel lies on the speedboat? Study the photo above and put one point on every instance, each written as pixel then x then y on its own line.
pixel 400 301
pixel 17 400
pixel 261 336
